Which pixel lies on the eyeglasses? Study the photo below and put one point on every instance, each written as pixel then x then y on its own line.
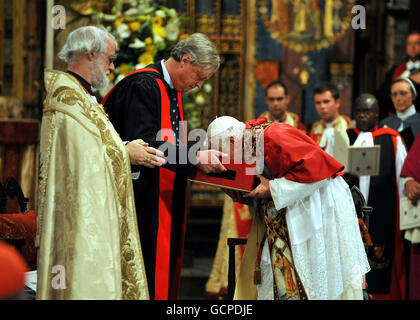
pixel 111 58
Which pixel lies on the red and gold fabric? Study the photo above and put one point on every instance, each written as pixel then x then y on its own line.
pixel 343 123
pixel 290 118
pixel 21 225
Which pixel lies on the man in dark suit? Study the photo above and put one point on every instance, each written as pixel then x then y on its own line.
pixel 147 103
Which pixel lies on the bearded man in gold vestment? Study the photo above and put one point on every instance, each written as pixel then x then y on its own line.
pixel 87 238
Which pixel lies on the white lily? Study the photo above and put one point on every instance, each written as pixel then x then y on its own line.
pixel 157 39
pixel 199 100
pixel 123 31
pixel 160 13
pixel 107 17
pixel 137 44
pixel 132 12
pixel 172 13
pixel 172 31
pixel 207 88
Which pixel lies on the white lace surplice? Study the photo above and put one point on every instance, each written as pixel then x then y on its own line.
pixel 327 248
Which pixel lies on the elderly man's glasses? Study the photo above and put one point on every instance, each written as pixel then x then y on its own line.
pixel 111 58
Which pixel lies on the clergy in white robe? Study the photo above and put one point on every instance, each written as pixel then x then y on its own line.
pixel 87 235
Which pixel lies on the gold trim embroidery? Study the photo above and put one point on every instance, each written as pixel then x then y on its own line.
pixel 71 97
pixel 130 287
pixel 58 109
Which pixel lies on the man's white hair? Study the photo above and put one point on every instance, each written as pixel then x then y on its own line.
pixel 222 128
pixel 83 40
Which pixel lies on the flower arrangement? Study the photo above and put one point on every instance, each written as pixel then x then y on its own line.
pixel 145 31
pixel 198 106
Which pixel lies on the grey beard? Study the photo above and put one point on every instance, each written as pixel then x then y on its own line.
pixel 99 79
pixel 100 82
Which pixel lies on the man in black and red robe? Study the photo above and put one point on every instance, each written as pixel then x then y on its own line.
pixel 386 280
pixel 147 103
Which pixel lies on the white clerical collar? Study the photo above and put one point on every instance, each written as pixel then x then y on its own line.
pixel 166 75
pixel 331 124
pixel 413 64
pixel 407 113
pixel 365 138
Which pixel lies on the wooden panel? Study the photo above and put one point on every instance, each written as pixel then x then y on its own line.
pixel 1 45
pixel 12 169
pixel 19 132
pixel 32 56
pixel 18 45
pixel 15 139
pixel 250 59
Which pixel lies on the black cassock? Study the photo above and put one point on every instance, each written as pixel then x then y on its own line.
pixel 139 106
pixel 386 255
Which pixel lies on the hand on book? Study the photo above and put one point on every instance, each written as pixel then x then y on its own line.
pixel 238 196
pixel 209 161
pixel 262 190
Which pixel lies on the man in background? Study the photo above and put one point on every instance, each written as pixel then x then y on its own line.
pixel 403 69
pixel 386 280
pixel 327 103
pixel 278 100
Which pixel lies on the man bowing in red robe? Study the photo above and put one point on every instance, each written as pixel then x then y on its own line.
pixel 305 241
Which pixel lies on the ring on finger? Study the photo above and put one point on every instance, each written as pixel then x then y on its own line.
pixel 148 160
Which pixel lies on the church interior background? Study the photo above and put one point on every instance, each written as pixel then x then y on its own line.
pixel 302 42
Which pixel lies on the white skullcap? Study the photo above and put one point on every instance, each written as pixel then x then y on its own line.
pixel 224 127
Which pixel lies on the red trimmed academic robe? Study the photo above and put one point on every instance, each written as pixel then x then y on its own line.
pixel 140 106
pixel 387 277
